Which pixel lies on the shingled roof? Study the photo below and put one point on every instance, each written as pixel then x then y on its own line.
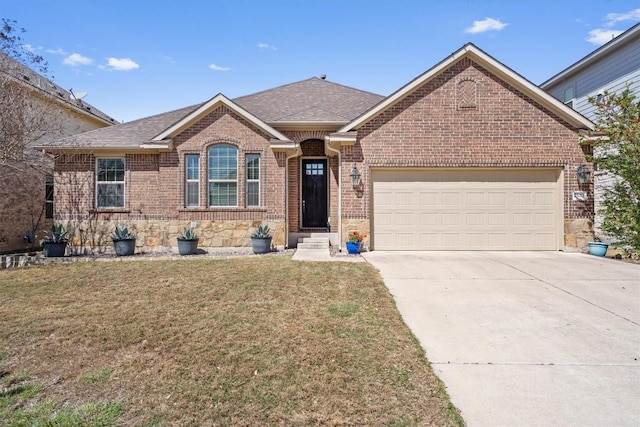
pixel 29 77
pixel 126 135
pixel 311 100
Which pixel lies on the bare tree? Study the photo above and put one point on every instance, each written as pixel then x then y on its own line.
pixel 28 114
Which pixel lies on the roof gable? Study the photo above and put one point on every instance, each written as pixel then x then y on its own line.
pixel 312 100
pixel 205 109
pixel 478 56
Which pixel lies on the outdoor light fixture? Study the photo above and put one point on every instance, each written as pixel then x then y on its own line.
pixel 583 174
pixel 355 176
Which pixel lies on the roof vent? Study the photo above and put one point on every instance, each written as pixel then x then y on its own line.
pixel 323 76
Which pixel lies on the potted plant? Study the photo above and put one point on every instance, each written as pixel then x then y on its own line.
pixel 55 243
pixel 354 241
pixel 598 248
pixel 188 241
pixel 124 242
pixel 261 240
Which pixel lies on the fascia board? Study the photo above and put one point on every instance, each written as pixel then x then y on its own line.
pixel 209 106
pixel 594 56
pixel 480 57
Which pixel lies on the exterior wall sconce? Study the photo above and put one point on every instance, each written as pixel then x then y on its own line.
pixel 355 176
pixel 583 174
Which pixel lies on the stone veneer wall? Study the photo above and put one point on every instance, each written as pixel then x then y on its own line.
pixel 577 233
pixel 359 225
pixel 161 235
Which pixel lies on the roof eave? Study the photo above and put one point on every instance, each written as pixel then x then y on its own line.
pixel 477 55
pixel 593 56
pixel 308 125
pixel 205 109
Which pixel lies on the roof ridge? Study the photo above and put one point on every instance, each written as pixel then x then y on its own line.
pixel 273 88
pixel 317 106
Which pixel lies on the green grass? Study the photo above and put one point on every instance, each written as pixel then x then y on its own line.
pixel 241 341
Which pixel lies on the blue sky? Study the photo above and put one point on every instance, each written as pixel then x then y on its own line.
pixel 137 58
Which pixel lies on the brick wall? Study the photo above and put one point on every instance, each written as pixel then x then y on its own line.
pixel 154 187
pixel 466 117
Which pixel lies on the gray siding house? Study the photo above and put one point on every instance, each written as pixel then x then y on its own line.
pixel 612 67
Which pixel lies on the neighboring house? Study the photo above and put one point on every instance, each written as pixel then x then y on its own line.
pixel 613 67
pixel 26 182
pixel 469 155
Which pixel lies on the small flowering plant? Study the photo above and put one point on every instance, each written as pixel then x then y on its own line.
pixel 356 237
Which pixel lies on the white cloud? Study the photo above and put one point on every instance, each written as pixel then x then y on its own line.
pixel 488 24
pixel 168 59
pixel 76 59
pixel 30 48
pixel 600 37
pixel 215 67
pixel 56 51
pixel 266 46
pixel 121 64
pixel 614 18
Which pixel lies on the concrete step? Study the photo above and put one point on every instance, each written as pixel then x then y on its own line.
pixel 313 243
pixel 313 240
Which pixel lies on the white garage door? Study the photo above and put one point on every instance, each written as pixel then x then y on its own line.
pixel 467 209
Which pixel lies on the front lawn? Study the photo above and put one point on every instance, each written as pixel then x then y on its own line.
pixel 241 341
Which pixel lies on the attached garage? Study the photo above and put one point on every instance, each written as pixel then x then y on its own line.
pixel 467 209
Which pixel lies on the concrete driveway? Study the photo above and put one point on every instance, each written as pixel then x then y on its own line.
pixel 525 338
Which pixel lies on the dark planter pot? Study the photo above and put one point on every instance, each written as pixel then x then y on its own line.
pixel 52 249
pixel 124 247
pixel 187 246
pixel 598 248
pixel 353 247
pixel 261 245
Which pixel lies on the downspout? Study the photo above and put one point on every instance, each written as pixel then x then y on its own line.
pixel 329 148
pixel 286 195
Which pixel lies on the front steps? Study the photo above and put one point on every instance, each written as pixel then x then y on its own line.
pixel 313 243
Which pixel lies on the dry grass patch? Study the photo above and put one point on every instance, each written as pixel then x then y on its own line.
pixel 244 341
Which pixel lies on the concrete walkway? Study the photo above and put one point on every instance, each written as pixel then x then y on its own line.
pixel 525 338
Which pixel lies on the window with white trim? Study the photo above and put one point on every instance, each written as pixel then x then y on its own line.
pixel 110 183
pixel 223 175
pixel 192 180
pixel 253 179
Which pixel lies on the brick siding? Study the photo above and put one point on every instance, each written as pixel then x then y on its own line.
pixel 501 128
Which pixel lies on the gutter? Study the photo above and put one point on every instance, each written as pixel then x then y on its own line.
pixel 327 145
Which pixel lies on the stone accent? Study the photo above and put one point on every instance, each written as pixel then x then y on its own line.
pixel 160 235
pixel 577 233
pixel 361 225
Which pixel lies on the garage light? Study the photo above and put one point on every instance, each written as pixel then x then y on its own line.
pixel 583 174
pixel 355 176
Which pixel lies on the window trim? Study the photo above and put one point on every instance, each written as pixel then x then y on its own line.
pixel 248 181
pixel 49 184
pixel 187 181
pixel 213 181
pixel 123 182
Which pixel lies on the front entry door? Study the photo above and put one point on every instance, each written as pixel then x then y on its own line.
pixel 314 193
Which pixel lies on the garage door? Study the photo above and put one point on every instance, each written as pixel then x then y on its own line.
pixel 467 209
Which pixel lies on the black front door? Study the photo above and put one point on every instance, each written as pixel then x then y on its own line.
pixel 314 193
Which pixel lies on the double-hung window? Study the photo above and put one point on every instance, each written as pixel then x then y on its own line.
pixel 192 180
pixel 253 180
pixel 110 183
pixel 223 175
